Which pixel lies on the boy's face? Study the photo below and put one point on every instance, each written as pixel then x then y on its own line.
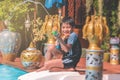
pixel 66 29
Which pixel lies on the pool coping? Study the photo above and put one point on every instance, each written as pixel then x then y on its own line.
pixel 107 67
pixel 17 64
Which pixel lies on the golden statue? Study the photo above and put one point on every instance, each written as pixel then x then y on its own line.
pixel 52 22
pixel 95 29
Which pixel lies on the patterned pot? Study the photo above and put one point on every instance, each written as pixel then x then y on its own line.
pixel 114 56
pixel 31 58
pixel 9 44
pixel 94 64
pixel 114 51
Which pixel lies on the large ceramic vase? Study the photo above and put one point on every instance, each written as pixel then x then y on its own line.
pixel 115 51
pixel 94 64
pixel 9 44
pixel 94 58
pixel 95 29
pixel 31 58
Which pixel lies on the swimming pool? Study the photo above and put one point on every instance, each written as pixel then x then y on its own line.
pixel 10 73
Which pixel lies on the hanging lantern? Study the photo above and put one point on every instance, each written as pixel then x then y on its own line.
pixel 27 23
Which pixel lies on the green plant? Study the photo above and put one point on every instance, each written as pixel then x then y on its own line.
pixel 115 30
pixel 106 44
pixel 14 11
pixel 110 11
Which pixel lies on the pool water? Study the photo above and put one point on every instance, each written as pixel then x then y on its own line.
pixel 10 73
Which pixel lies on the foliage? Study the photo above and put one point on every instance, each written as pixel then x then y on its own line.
pixel 95 4
pixel 36 28
pixel 110 8
pixel 110 11
pixel 88 6
pixel 13 11
pixel 105 44
pixel 115 30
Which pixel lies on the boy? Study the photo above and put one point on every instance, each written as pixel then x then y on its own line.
pixel 68 49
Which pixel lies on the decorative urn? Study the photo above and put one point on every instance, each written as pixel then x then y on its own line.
pixel 31 57
pixel 94 30
pixel 9 44
pixel 114 51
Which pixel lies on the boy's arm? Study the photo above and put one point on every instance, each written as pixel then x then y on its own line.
pixel 64 47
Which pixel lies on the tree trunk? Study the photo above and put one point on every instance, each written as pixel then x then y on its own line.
pixel 88 6
pixel 118 14
pixel 100 7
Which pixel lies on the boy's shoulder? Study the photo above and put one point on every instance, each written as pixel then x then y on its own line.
pixel 73 34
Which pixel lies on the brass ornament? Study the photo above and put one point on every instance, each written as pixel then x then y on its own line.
pixel 95 29
pixel 52 22
pixel 31 58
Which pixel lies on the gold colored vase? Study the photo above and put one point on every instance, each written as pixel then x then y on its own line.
pixel 94 43
pixel 95 30
pixel 31 58
pixel 114 56
pixel 106 57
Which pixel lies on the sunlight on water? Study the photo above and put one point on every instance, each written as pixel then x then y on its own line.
pixel 10 73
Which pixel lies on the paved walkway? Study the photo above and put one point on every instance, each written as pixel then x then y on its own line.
pixel 107 67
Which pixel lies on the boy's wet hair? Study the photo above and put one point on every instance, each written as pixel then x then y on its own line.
pixel 68 20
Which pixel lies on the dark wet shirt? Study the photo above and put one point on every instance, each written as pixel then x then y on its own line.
pixel 72 57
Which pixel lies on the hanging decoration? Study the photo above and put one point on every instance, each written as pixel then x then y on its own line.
pixel 27 22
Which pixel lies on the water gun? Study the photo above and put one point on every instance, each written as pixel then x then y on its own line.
pixel 55 33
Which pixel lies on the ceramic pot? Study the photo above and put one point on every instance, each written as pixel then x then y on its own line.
pixel 31 58
pixel 9 44
pixel 114 55
pixel 94 64
pixel 114 51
